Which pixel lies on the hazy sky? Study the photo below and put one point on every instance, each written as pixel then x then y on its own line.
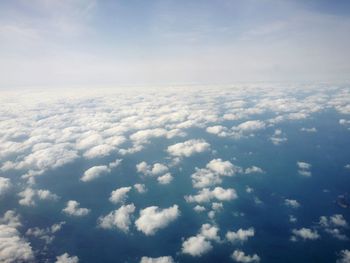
pixel 143 42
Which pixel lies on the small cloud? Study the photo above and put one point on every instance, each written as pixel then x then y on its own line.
pixel 73 209
pixel 240 256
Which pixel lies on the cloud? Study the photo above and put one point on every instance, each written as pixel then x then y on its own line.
pixel 240 256
pixel 211 175
pixel 157 169
pixel 94 173
pixel 206 195
pixel 304 169
pixel 153 218
pixel 119 218
pixel 164 259
pixel 313 129
pixel 73 209
pixel 13 247
pixel 291 203
pixel 66 258
pixel 188 148
pixel 332 224
pixel 254 169
pixel 305 234
pixel 344 256
pixel 119 195
pixel 196 246
pixel 141 188
pixel 30 195
pixel 46 234
pixel 201 243
pixel 241 235
pixel 165 179
pixel 5 185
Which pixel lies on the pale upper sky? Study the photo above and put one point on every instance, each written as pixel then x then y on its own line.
pixel 54 43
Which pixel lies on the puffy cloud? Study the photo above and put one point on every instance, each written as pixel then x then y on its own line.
pixel 99 151
pixel 153 218
pixel 241 235
pixel 344 256
pixel 240 256
pixel 211 175
pixel 119 195
pixel 201 243
pixel 304 233
pixel 218 130
pixel 304 169
pixel 292 203
pixel 141 188
pixel 206 195
pixel 73 209
pixel 95 172
pixel 164 259
pixel 278 137
pixel 13 247
pixel 46 234
pixel 5 185
pixel 188 148
pixel 253 169
pixel 157 169
pixel 165 179
pixel 199 208
pixel 30 195
pixel 66 258
pixel 119 218
pixel 196 246
pixel 332 224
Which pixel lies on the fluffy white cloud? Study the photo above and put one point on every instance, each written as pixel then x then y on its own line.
pixel 13 247
pixel 141 188
pixel 241 235
pixel 146 169
pixel 188 148
pixel 119 218
pixel 240 256
pixel 344 256
pixel 332 224
pixel 253 169
pixel 99 151
pixel 119 195
pixel 66 258
pixel 153 218
pixel 94 173
pixel 304 169
pixel 5 185
pixel 211 175
pixel 159 168
pixel 206 195
pixel 304 233
pixel 29 196
pixel 196 246
pixel 291 203
pixel 46 234
pixel 164 259
pixel 73 209
pixel 165 179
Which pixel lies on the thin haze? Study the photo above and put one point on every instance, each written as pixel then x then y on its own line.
pixel 52 43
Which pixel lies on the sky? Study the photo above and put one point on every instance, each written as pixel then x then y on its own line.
pixel 61 43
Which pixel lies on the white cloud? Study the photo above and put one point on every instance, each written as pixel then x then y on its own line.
pixel 46 234
pixel 119 195
pixel 199 208
pixel 344 256
pixel 165 179
pixel 164 259
pixel 146 169
pixel 5 185
pixel 188 148
pixel 66 258
pixel 99 151
pixel 241 235
pixel 153 218
pixel 159 168
pixel 119 218
pixel 240 256
pixel 206 195
pixel 30 195
pixel 196 246
pixel 313 129
pixel 305 234
pixel 253 169
pixel 13 247
pixel 94 173
pixel 73 209
pixel 291 203
pixel 304 169
pixel 141 188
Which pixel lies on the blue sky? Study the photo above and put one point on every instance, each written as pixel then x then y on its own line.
pixel 106 43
